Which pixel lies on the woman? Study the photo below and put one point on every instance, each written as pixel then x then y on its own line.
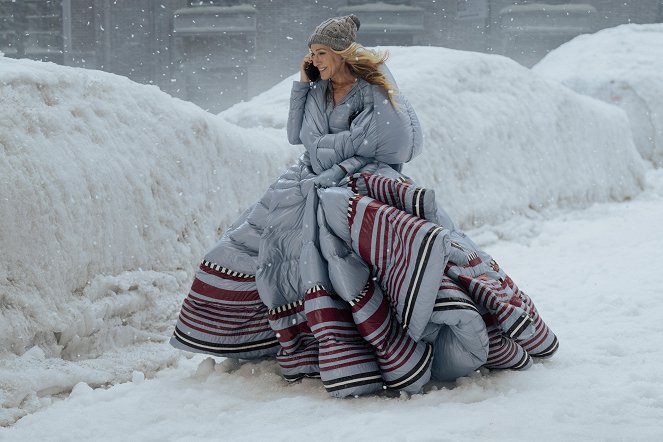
pixel 344 269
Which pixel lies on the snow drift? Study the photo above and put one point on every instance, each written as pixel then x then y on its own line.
pixel 111 192
pixel 498 139
pixel 622 66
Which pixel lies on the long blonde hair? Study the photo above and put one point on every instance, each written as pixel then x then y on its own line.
pixel 364 63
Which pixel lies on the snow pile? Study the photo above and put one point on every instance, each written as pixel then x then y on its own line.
pixel 622 66
pixel 111 192
pixel 498 139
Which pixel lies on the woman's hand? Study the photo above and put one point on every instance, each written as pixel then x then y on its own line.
pixel 302 72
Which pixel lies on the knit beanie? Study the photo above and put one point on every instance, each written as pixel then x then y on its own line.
pixel 338 33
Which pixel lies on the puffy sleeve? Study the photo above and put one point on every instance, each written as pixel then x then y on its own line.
pixel 399 135
pixel 325 149
pixel 296 114
pixel 382 131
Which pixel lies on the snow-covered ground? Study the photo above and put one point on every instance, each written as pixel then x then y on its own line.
pixel 111 192
pixel 593 276
pixel 621 66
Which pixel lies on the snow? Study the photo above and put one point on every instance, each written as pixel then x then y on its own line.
pixel 112 191
pixel 621 66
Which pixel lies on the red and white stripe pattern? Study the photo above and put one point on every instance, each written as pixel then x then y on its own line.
pixel 511 344
pixel 224 316
pixel 502 301
pixel 348 365
pixel 404 362
pixel 397 193
pixel 504 352
pixel 406 253
pixel 543 343
pixel 298 354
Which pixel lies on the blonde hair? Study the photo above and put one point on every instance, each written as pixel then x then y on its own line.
pixel 364 63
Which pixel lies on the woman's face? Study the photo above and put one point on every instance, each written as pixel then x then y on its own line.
pixel 327 61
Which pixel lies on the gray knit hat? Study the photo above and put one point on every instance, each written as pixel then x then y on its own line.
pixel 338 33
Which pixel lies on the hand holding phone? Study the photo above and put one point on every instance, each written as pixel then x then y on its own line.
pixel 312 72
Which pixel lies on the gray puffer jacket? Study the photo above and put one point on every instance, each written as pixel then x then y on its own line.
pixel 362 128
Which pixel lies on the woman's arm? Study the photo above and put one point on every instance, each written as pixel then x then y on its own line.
pixel 298 96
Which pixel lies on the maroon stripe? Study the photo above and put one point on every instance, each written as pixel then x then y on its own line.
pixel 291 333
pixel 365 232
pixel 194 297
pixel 254 306
pixel 399 252
pixel 414 226
pixel 506 353
pixel 316 294
pixel 227 320
pixel 403 194
pixel 347 359
pixel 329 314
pixel 403 360
pixel 375 321
pixel 542 333
pixel 205 289
pixel 393 197
pixel 382 241
pixel 220 315
pixel 208 332
pixel 322 333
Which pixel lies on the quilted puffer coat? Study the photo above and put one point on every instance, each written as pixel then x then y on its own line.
pixel 367 285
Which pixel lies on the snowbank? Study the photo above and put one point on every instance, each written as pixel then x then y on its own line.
pixel 621 66
pixel 111 192
pixel 498 139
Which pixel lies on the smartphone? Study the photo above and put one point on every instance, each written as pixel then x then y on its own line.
pixel 312 72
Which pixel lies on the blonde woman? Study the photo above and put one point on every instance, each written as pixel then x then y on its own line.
pixel 351 112
pixel 345 270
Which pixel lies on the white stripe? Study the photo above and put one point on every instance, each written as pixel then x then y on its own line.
pixel 407 381
pixel 418 275
pixel 515 332
pixel 458 303
pixel 246 347
pixel 352 381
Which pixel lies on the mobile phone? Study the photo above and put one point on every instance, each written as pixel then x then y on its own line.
pixel 312 72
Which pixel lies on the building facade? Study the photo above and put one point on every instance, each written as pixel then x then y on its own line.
pixel 218 52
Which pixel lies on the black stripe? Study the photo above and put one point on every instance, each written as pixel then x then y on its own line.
pixel 443 308
pixel 298 376
pixel 226 348
pixel 469 305
pixel 519 326
pixel 412 290
pixel 548 351
pixel 417 209
pixel 522 363
pixel 419 369
pixel 353 381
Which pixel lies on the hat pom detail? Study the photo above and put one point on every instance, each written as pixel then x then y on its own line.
pixel 355 19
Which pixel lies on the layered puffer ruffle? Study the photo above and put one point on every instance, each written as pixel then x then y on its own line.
pixel 388 298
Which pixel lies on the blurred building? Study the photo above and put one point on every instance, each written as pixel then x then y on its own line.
pixel 218 52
